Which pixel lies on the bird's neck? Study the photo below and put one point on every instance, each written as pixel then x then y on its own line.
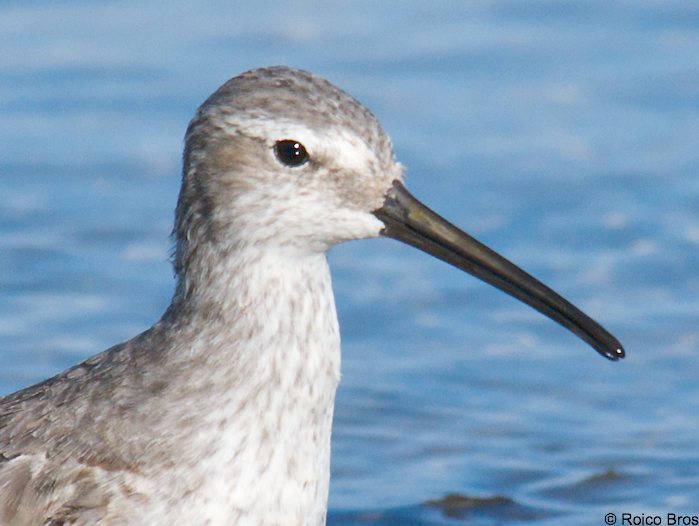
pixel 266 343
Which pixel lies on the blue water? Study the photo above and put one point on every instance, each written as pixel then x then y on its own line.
pixel 563 134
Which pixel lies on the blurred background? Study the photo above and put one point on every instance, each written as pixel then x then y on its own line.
pixel 563 134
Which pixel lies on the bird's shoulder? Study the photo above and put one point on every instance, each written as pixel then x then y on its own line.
pixel 87 397
pixel 58 462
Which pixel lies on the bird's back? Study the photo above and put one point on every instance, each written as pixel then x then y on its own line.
pixel 54 448
pixel 69 445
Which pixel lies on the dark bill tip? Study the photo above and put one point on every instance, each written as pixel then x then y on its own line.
pixel 408 220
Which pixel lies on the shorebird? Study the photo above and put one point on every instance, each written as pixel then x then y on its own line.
pixel 221 413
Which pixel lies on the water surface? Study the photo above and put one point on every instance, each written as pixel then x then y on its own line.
pixel 563 134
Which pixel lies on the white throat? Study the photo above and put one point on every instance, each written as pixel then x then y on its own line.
pixel 271 375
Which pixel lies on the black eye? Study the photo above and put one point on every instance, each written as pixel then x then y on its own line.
pixel 290 152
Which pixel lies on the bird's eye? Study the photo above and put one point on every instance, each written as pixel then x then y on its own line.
pixel 290 152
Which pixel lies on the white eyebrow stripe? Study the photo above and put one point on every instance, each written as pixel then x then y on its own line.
pixel 344 147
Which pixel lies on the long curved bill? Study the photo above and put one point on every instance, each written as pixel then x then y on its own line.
pixel 408 220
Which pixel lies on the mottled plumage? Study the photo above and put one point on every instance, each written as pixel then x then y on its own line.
pixel 221 413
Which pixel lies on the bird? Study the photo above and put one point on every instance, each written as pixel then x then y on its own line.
pixel 221 412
